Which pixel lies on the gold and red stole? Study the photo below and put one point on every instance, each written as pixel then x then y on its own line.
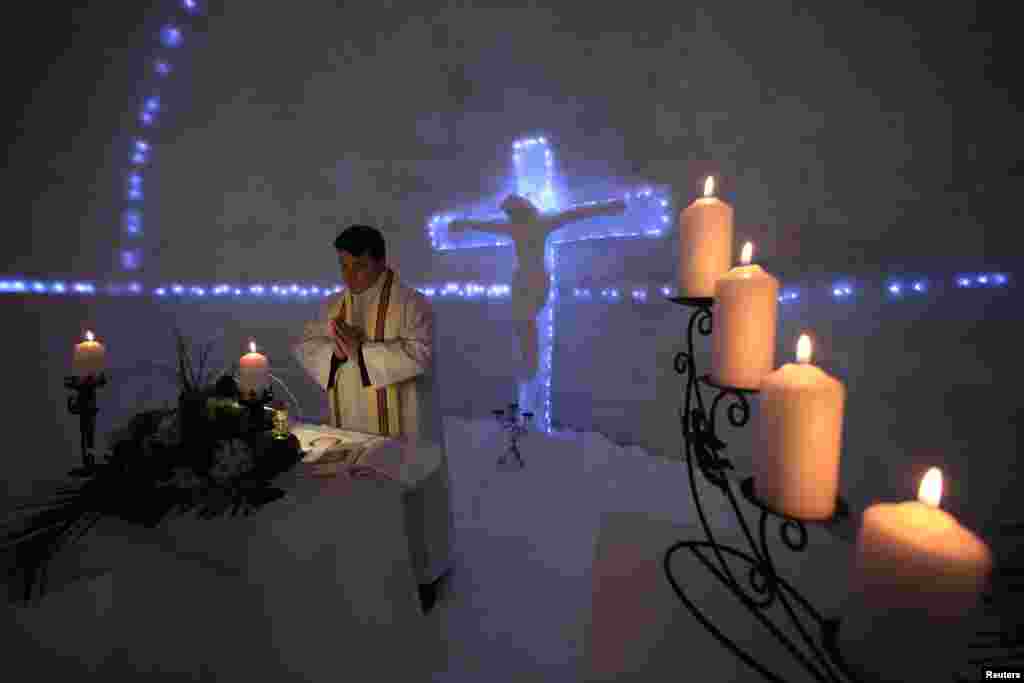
pixel 385 407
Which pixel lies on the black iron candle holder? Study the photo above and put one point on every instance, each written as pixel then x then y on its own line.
pixel 817 649
pixel 259 416
pixel 512 458
pixel 83 403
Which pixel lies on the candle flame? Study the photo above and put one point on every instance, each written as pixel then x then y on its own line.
pixel 930 492
pixel 709 186
pixel 89 336
pixel 252 347
pixel 803 349
pixel 747 253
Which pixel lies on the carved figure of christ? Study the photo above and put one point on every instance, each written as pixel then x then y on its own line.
pixel 529 230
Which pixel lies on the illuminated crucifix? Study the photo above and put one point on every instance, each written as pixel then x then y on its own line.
pixel 532 214
pixel 531 286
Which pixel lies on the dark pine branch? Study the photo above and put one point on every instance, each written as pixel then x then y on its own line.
pixel 137 485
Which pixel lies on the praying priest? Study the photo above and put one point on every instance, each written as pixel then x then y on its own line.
pixel 372 347
pixel 372 350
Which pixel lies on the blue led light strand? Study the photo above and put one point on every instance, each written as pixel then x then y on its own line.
pixel 170 38
pixel 653 293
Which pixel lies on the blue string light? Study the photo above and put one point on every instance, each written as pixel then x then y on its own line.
pixel 133 222
pixel 135 187
pixel 982 280
pixel 131 259
pixel 140 153
pixel 171 36
pixel 896 289
pixel 150 109
pixel 842 290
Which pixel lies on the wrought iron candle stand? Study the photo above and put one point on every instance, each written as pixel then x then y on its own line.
pixel 84 404
pixel 512 458
pixel 820 655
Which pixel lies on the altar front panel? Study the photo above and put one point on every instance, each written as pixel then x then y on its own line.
pixel 309 586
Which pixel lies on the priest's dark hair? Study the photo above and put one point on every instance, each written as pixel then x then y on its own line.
pixel 359 239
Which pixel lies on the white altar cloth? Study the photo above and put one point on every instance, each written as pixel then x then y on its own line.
pixel 422 473
pixel 309 586
pixel 407 464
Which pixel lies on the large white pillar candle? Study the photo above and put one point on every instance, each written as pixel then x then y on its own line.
pixel 796 461
pixel 89 358
pixel 253 373
pixel 917 577
pixel 705 243
pixel 743 325
pixel 915 555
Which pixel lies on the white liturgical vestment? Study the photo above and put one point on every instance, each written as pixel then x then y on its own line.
pixel 405 361
pixel 391 390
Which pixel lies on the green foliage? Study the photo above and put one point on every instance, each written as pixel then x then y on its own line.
pixel 192 376
pixel 204 458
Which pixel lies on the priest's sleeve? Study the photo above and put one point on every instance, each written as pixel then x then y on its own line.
pixel 314 350
pixel 409 355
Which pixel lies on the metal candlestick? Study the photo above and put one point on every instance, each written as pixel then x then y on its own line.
pixel 83 404
pixel 512 458
pixel 259 416
pixel 819 653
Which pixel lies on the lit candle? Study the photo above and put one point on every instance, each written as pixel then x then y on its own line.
pixel 915 555
pixel 705 243
pixel 253 373
pixel 89 358
pixel 917 576
pixel 796 462
pixel 745 313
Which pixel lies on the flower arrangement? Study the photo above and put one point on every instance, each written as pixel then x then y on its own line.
pixel 208 456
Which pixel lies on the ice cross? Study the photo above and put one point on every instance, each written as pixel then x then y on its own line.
pixel 546 225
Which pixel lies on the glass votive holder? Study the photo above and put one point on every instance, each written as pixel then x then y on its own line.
pixel 280 425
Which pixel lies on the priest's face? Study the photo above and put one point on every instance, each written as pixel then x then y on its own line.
pixel 359 272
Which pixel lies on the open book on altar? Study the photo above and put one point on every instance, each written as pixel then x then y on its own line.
pixel 366 456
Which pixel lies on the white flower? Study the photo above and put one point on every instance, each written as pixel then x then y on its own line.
pixel 232 459
pixel 168 433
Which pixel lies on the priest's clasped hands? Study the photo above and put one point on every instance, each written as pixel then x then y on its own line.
pixel 347 338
